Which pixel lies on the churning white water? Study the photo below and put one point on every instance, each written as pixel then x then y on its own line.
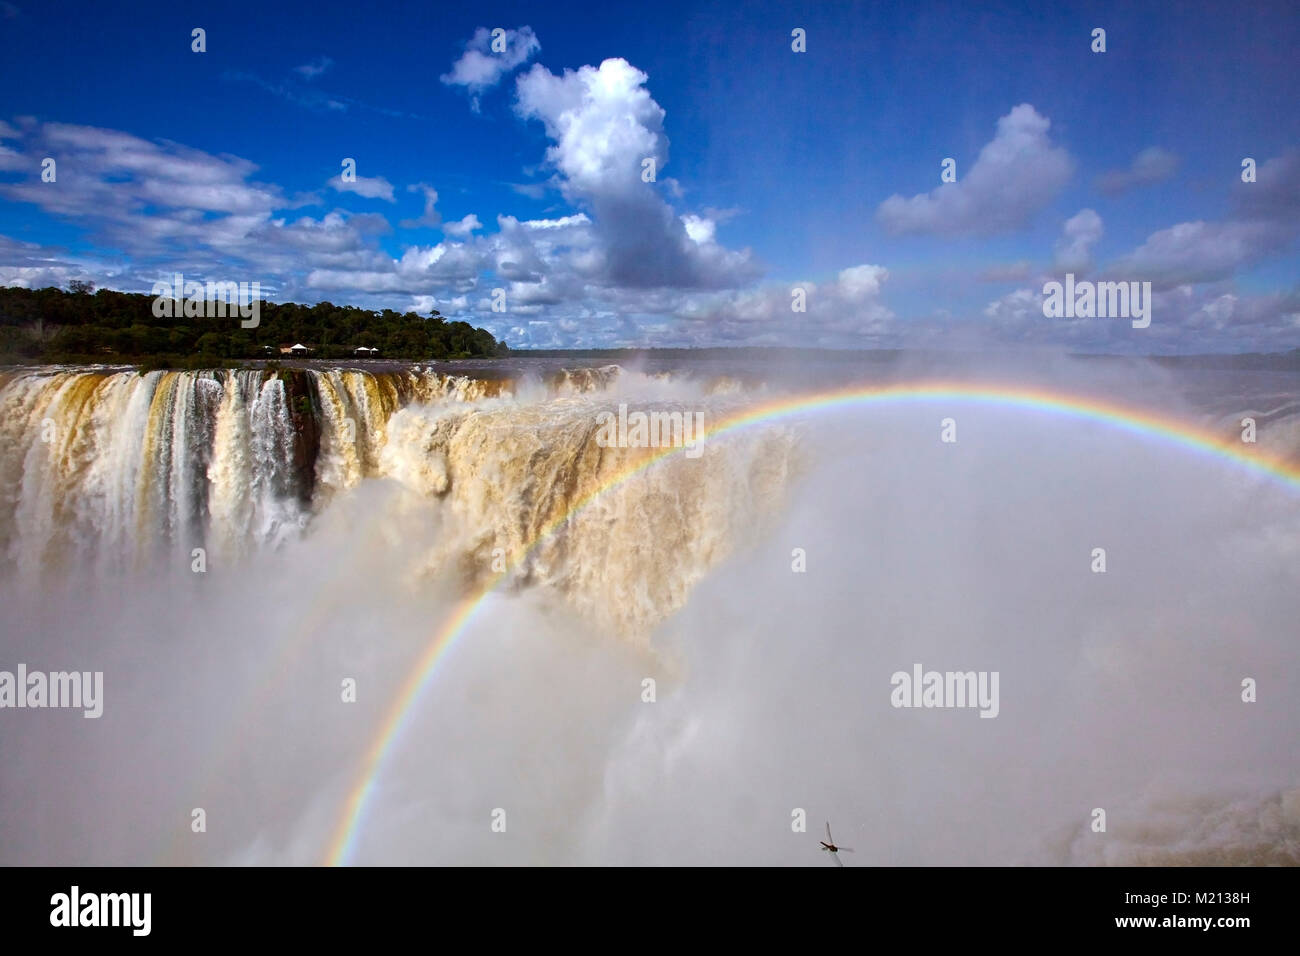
pixel 341 516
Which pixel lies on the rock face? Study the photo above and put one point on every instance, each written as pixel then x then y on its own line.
pixel 304 411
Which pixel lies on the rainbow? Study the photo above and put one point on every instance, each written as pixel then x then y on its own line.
pixel 1141 424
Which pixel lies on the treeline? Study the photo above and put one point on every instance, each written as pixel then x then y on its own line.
pixel 53 325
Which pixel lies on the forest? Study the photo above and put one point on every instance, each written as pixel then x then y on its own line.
pixel 81 325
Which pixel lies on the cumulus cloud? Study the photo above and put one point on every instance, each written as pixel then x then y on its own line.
pixel 462 227
pixel 1151 166
pixel 1269 321
pixel 1190 266
pixel 1185 319
pixel 1015 306
pixel 479 68
pixel 29 265
pixel 859 283
pixel 430 217
pixel 1080 234
pixel 373 187
pixel 1016 174
pixel 417 271
pixel 616 263
pixel 1275 194
pixel 619 262
pixel 847 310
pixel 1265 221
pixel 604 124
pixel 699 229
pixel 167 207
pixel 1195 252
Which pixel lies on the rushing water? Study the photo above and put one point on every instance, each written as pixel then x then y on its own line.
pixel 228 547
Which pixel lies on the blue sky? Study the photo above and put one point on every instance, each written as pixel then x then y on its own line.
pixel 479 170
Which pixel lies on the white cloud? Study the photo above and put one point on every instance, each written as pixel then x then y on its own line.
pixel 1152 165
pixel 164 207
pixel 1275 194
pixel 309 71
pixel 603 121
pixel 1017 173
pixel 859 283
pixel 462 227
pixel 298 94
pixel 11 160
pixel 603 124
pixel 479 68
pixel 430 217
pixel 1274 316
pixel 373 187
pixel 419 270
pixel 1080 234
pixel 619 266
pixel 845 311
pixel 31 266
pixel 1186 318
pixel 1194 252
pixel 699 229
pixel 1265 223
pixel 531 190
pixel 564 222
pixel 1014 308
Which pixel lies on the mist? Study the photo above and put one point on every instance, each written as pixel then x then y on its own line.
pixel 1119 690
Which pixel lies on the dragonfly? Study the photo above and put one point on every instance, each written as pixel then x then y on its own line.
pixel 828 845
